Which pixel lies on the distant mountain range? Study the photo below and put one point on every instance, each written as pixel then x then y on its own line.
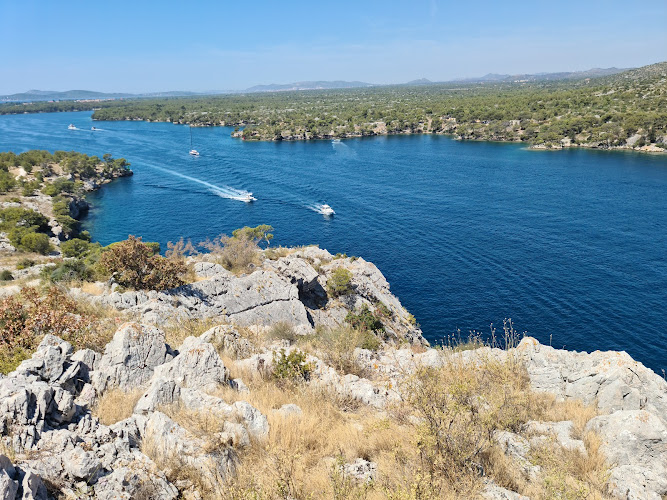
pixel 48 95
pixel 567 75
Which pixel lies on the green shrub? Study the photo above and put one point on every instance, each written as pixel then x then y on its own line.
pixel 60 185
pixel 74 248
pixel 365 320
pixel 12 217
pixel 28 240
pixel 291 367
pixel 68 270
pixel 6 275
pixel 337 346
pixel 340 282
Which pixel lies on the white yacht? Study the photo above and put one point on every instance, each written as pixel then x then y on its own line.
pixel 248 198
pixel 326 210
pixel 335 141
pixel 71 127
pixel 194 152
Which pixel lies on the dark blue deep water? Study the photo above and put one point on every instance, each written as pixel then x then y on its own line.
pixel 571 245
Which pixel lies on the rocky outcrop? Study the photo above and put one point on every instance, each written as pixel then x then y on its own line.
pixel 288 290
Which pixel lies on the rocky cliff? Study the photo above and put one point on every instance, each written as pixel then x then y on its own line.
pixel 219 402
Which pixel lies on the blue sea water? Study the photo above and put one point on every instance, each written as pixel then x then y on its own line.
pixel 572 245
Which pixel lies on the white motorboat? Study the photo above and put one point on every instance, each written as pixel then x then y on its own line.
pixel 248 198
pixel 326 210
pixel 194 152
pixel 335 141
pixel 71 127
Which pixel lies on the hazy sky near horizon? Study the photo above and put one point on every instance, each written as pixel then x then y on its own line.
pixel 144 46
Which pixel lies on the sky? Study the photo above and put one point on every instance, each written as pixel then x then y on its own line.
pixel 149 46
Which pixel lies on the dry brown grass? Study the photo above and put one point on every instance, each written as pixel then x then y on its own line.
pixel 180 327
pixel 116 405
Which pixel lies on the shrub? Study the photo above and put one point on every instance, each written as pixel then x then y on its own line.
pixel 340 282
pixel 69 270
pixel 134 264
pixel 12 217
pixel 338 344
pixel 74 248
pixel 25 263
pixel 365 320
pixel 30 241
pixel 6 275
pixel 283 331
pixel 234 254
pixel 291 367
pixel 256 234
pixel 25 318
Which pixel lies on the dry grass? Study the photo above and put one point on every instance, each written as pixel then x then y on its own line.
pixel 116 405
pixel 181 327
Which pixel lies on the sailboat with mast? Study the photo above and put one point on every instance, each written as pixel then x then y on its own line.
pixel 193 151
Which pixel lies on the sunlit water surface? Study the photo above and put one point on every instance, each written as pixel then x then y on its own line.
pixel 571 245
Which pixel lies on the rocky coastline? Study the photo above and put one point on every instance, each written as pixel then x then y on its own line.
pixel 56 444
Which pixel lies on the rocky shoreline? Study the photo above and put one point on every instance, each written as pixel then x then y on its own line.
pixel 50 405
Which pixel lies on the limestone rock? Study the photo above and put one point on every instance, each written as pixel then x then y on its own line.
pixel 131 357
pixel 197 365
pixel 361 470
pixel 635 441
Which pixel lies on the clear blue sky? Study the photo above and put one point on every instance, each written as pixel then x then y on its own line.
pixel 145 45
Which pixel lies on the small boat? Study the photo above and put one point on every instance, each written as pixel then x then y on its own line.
pixel 71 127
pixel 326 210
pixel 93 129
pixel 335 141
pixel 193 151
pixel 248 198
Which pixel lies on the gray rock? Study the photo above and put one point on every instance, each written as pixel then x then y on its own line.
pixel 559 432
pixel 81 464
pixel 494 492
pixel 161 392
pixel 288 411
pixel 197 365
pixel 33 487
pixel 518 448
pixel 361 470
pixel 49 361
pixel 131 357
pixel 635 441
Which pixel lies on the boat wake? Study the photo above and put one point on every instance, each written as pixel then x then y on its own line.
pixel 222 191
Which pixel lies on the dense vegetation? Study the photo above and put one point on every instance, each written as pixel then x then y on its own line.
pixel 626 109
pixel 62 176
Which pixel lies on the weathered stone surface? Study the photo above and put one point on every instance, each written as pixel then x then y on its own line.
pixel 131 357
pixel 288 411
pixel 81 464
pixel 197 365
pixel 494 492
pixel 557 432
pixel 635 441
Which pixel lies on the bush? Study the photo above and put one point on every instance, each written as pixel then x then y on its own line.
pixel 365 320
pixel 69 270
pixel 134 264
pixel 26 318
pixel 22 217
pixel 6 275
pixel 338 344
pixel 30 241
pixel 283 331
pixel 74 248
pixel 25 263
pixel 291 367
pixel 234 254
pixel 340 282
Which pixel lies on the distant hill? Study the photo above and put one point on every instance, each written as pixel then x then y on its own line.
pixel 317 85
pixel 565 75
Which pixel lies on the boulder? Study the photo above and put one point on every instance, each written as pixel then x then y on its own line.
pixel 131 357
pixel 197 365
pixel 635 442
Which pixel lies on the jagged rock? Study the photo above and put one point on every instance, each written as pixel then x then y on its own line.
pixel 612 380
pixel 238 385
pixel 197 365
pixel 32 486
pixel 209 269
pixel 297 271
pixel 137 479
pixel 81 464
pixel 131 357
pixel 49 360
pixel 228 340
pixel 635 441
pixel 361 470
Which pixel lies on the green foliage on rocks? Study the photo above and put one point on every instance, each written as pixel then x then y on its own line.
pixel 340 282
pixel 291 367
